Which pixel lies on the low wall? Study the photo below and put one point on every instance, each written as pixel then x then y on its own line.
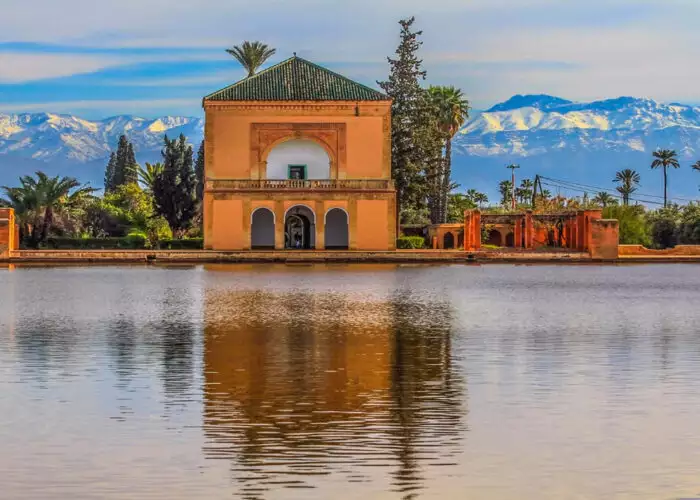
pixel 604 239
pixel 289 256
pixel 679 251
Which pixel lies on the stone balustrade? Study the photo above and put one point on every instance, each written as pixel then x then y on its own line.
pixel 299 185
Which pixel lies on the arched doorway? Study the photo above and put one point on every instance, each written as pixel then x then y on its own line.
pixel 262 228
pixel 300 228
pixel 495 238
pixel 510 240
pixel 448 242
pixel 460 240
pixel 336 229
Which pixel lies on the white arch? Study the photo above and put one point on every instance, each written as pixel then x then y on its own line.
pixel 274 217
pixel 298 152
pixel 325 217
pixel 300 205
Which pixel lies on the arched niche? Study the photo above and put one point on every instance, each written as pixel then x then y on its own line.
pixel 289 157
pixel 337 234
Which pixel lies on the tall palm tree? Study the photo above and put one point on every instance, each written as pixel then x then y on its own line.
pixel 149 174
pixel 604 199
pixel 251 55
pixel 628 180
pixel 506 190
pixel 665 158
pixel 452 112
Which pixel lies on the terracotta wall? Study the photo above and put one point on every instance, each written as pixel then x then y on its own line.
pixel 364 146
pixel 371 224
pixel 9 232
pixel 603 238
pixel 632 250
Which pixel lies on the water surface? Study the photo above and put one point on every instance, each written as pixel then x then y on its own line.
pixel 350 381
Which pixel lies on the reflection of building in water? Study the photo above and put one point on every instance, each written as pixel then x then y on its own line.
pixel 301 384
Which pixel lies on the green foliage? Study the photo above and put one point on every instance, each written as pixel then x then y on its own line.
pixel 505 188
pixel 41 201
pixel 199 173
pixel 628 181
pixel 174 191
pixel 451 110
pixel 251 55
pixel 409 110
pixel 133 242
pixel 149 174
pixel 689 227
pixel 665 158
pixel 634 228
pixel 457 205
pixel 122 167
pixel 184 244
pixel 604 199
pixel 410 242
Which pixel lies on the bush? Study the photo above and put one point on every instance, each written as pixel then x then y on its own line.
pixel 133 241
pixel 410 242
pixel 634 228
pixel 189 244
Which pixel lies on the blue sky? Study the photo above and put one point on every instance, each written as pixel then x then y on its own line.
pixel 98 58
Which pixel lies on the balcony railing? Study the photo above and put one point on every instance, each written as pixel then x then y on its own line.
pixel 300 185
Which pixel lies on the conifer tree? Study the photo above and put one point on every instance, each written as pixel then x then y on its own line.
pixel 199 172
pixel 408 109
pixel 130 168
pixel 174 191
pixel 110 172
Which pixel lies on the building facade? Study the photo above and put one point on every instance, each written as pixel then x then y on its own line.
pixel 298 157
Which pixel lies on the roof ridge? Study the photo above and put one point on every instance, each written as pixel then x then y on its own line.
pixel 339 75
pixel 297 79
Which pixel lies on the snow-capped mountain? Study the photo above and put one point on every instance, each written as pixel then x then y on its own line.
pixel 583 142
pixel 54 143
pixel 578 141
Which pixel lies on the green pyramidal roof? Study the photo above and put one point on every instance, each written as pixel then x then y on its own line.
pixel 297 79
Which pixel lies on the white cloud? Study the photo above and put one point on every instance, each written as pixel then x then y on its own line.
pixel 16 67
pixel 137 107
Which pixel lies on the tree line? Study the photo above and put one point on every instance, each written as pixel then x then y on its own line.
pixel 155 201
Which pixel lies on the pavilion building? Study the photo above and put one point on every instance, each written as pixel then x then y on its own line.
pixel 298 156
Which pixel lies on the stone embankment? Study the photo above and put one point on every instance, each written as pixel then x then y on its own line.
pixel 205 256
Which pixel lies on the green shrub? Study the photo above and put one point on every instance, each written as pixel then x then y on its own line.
pixel 133 241
pixel 188 244
pixel 634 227
pixel 410 242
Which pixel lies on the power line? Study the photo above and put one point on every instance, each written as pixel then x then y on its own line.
pixel 580 185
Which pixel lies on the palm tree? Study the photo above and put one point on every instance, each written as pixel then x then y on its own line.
pixel 696 166
pixel 665 158
pixel 628 180
pixel 506 190
pixel 604 199
pixel 37 199
pixel 148 175
pixel 452 112
pixel 251 55
pixel 480 199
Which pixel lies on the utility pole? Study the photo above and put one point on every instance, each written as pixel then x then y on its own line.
pixel 512 168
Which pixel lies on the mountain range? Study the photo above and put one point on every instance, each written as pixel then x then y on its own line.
pixel 584 142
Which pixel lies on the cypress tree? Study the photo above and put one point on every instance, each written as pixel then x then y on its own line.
pixel 110 173
pixel 121 161
pixel 199 171
pixel 174 191
pixel 130 168
pixel 408 109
